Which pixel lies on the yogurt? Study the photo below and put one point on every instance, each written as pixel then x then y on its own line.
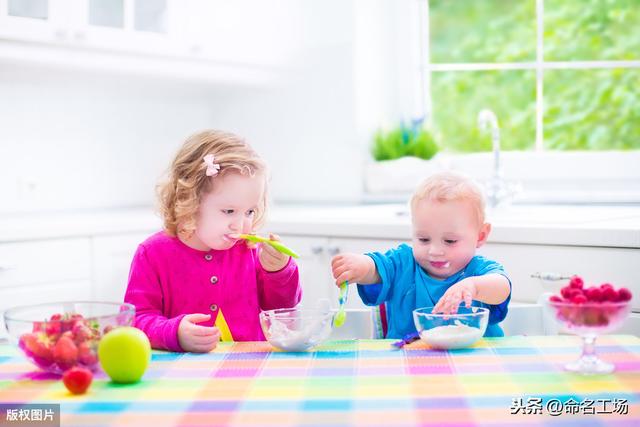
pixel 451 336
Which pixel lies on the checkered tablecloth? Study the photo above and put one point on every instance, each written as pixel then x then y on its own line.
pixel 501 381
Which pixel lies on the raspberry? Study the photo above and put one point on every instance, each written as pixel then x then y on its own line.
pixel 593 294
pixel 555 298
pixel 608 294
pixel 579 299
pixel 624 294
pixel 576 282
pixel 606 285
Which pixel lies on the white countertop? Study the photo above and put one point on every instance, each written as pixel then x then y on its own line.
pixel 606 226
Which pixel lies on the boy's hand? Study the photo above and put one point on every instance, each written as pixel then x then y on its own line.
pixel 354 268
pixel 465 290
pixel 271 259
pixel 196 338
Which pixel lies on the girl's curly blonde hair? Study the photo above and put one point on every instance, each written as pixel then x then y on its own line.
pixel 179 195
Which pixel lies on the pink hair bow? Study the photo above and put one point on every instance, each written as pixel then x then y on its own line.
pixel 212 168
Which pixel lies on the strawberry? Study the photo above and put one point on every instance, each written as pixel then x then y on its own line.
pixel 624 294
pixel 37 346
pixel 81 332
pixel 576 282
pixel 65 352
pixel 86 355
pixel 77 380
pixel 38 326
pixel 53 328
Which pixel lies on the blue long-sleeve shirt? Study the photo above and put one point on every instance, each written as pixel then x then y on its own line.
pixel 405 286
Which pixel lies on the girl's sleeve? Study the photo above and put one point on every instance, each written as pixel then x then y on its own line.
pixel 389 266
pixel 278 289
pixel 145 292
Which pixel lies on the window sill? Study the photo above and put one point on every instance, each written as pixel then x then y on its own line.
pixel 546 177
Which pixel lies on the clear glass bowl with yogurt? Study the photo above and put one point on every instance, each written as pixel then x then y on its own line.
pixel 451 331
pixel 296 329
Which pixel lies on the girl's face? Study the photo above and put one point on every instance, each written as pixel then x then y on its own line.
pixel 228 209
pixel 445 236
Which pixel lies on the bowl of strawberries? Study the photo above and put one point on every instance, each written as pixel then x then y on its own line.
pixel 59 336
pixel 589 311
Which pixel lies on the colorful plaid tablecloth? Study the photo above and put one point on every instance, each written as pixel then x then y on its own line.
pixel 500 381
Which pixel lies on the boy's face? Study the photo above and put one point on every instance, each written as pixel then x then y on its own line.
pixel 445 236
pixel 228 209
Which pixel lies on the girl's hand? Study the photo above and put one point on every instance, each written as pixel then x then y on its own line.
pixel 271 259
pixel 465 290
pixel 354 268
pixel 196 338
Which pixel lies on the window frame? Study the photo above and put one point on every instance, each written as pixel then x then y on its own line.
pixel 569 176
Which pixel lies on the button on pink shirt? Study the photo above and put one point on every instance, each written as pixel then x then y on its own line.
pixel 169 279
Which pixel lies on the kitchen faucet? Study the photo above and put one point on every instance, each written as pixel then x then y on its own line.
pixel 498 191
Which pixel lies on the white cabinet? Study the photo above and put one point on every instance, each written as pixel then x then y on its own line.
pixel 43 271
pixel 315 264
pixel 112 255
pixel 210 41
pixel 596 265
pixel 119 25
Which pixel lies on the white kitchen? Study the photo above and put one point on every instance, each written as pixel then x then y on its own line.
pixel 97 96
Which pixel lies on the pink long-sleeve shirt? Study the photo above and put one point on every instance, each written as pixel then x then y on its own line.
pixel 169 279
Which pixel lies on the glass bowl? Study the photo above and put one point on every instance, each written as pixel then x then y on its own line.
pixel 58 336
pixel 451 331
pixel 296 329
pixel 588 320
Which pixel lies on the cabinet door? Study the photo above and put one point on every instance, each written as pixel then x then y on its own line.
pixel 112 257
pixel 596 265
pixel 23 264
pixel 127 26
pixel 314 267
pixel 29 20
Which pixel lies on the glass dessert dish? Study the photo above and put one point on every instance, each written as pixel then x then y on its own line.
pixel 589 320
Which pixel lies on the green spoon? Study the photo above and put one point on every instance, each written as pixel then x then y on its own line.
pixel 274 243
pixel 340 316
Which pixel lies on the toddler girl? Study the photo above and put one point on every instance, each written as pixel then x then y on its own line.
pixel 194 270
pixel 441 268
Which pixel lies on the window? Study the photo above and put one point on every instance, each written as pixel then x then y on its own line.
pixel 562 76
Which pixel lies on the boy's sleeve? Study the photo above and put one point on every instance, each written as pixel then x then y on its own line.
pixel 388 265
pixel 498 312
pixel 278 289
pixel 145 293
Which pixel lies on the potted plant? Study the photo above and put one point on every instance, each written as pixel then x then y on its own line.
pixel 403 156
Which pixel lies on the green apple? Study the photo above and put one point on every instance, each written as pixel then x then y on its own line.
pixel 124 354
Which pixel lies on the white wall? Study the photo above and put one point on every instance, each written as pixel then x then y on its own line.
pixel 82 140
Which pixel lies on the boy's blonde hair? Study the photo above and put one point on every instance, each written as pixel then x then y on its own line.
pixel 451 186
pixel 179 195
